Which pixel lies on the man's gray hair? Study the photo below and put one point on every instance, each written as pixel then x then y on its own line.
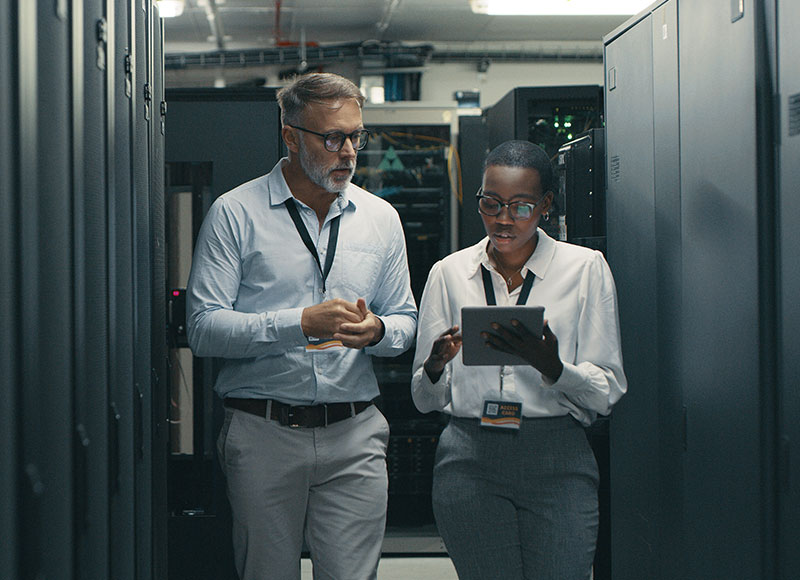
pixel 314 88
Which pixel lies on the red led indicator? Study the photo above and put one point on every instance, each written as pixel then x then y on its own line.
pixel 176 292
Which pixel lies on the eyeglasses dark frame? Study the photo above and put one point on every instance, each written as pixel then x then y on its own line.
pixel 501 204
pixel 361 134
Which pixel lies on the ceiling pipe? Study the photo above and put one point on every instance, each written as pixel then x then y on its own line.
pixel 278 22
pixel 356 52
pixel 386 19
pixel 214 22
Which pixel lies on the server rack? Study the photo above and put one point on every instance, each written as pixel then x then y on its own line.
pixel 9 303
pixel 580 167
pixel 71 462
pixel 787 87
pixel 549 117
pixel 473 146
pixel 581 174
pixel 692 203
pixel 408 166
pixel 202 162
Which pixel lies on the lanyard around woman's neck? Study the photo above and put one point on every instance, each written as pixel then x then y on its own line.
pixel 488 287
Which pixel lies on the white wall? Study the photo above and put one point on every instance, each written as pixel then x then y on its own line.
pixel 442 80
pixel 439 81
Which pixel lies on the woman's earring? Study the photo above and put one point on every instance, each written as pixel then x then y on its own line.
pixel 546 216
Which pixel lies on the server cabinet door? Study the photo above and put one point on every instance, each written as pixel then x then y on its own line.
pixel 90 33
pixel 9 305
pixel 142 395
pixel 630 206
pixel 789 276
pixel 666 141
pixel 720 312
pixel 46 303
pixel 160 383
pixel 121 297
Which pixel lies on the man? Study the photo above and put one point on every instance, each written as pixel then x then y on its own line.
pixel 298 277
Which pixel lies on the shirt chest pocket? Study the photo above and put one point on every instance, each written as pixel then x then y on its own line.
pixel 358 273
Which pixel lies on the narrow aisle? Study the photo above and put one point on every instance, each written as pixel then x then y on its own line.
pixel 403 568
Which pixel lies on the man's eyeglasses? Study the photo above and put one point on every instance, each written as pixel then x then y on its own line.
pixel 518 210
pixel 334 140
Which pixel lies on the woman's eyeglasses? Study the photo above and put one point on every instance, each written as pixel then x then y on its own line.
pixel 334 140
pixel 518 210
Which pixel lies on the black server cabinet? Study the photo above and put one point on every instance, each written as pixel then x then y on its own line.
pixel 699 453
pixel 156 103
pixel 473 145
pixel 122 563
pixel 9 305
pixel 788 90
pixel 74 249
pixel 727 438
pixel 788 218
pixel 202 157
pixel 407 165
pixel 580 166
pixel 90 219
pixel 46 427
pixel 631 242
pixel 549 117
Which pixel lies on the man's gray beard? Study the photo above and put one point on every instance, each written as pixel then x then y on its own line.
pixel 321 175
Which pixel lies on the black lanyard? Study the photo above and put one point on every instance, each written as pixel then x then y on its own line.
pixel 333 237
pixel 488 287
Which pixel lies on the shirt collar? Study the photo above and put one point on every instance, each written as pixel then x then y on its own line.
pixel 279 190
pixel 538 263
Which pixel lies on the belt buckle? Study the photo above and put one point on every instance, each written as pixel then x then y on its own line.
pixel 290 418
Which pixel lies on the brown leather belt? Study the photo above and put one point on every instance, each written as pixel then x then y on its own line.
pixel 299 415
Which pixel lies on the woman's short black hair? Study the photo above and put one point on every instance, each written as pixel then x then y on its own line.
pixel 517 153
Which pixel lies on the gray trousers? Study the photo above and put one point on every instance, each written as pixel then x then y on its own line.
pixel 517 505
pixel 327 485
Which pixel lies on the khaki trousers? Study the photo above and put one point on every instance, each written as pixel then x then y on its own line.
pixel 324 485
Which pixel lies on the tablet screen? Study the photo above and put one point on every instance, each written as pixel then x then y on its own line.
pixel 477 319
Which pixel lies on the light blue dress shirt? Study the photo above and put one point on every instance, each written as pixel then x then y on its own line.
pixel 252 276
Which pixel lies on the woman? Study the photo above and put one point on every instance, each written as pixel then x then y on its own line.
pixel 519 503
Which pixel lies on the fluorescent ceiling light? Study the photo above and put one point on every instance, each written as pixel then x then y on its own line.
pixel 559 7
pixel 170 8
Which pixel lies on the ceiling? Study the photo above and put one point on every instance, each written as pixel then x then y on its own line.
pixel 241 25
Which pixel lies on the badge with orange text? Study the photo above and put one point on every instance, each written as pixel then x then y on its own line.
pixel 502 411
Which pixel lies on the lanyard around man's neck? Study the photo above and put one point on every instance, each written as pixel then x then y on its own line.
pixel 488 287
pixel 333 237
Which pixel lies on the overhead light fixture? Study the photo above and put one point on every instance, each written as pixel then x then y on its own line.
pixel 170 8
pixel 559 7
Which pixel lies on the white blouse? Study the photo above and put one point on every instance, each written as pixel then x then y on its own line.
pixel 576 288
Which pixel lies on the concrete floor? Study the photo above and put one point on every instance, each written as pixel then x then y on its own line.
pixel 403 568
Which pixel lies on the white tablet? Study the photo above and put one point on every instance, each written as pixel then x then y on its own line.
pixel 477 319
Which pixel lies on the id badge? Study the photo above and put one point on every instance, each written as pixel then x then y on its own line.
pixel 501 410
pixel 322 344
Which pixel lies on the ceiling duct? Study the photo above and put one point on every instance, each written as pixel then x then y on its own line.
pixel 373 55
